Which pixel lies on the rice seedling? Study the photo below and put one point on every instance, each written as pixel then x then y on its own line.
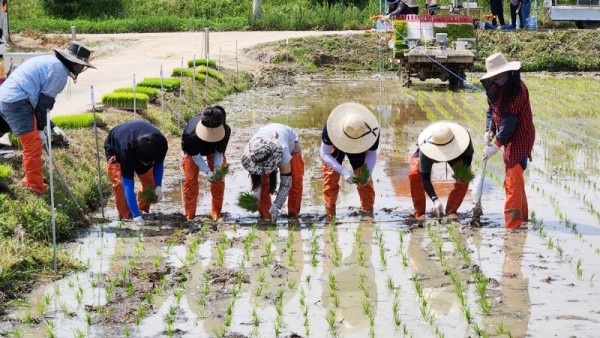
pixel 88 318
pixel 362 177
pixel 389 282
pixel 125 100
pixel 150 91
pixel 361 255
pixel 396 311
pixel 169 83
pixel 79 333
pixel 330 317
pixel 79 295
pixel 47 299
pixel 205 62
pixel 255 318
pixel 463 173
pixel 188 73
pixel 84 120
pixel 220 255
pixel 41 308
pixel 259 290
pixel 220 173
pixel 366 306
pixel 579 270
pixel 210 72
pixel 247 201
pixel 56 290
pixel 314 247
pixel 126 332
pixel 148 195
pixel 178 294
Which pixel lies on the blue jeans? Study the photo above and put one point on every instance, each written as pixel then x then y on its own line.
pixel 19 116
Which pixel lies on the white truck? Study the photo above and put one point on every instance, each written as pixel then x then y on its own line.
pixel 585 13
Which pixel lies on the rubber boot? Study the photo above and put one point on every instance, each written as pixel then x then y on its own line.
pixel 32 161
pixel 331 189
pixel 190 186
pixel 515 207
pixel 366 193
pixel 417 192
pixel 217 189
pixel 146 180
pixel 114 173
pixel 264 204
pixel 295 195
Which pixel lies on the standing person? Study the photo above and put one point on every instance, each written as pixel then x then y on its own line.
pixel 510 120
pixel 515 9
pixel 442 141
pixel 497 11
pixel 414 6
pixel 396 7
pixel 206 134
pixel 351 130
pixel 275 146
pixel 29 93
pixel 135 147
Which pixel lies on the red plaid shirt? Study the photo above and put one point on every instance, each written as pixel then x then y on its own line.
pixel 520 143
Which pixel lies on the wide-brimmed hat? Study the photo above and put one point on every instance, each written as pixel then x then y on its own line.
pixel 496 64
pixel 444 141
pixel 352 128
pixel 262 155
pixel 210 128
pixel 76 53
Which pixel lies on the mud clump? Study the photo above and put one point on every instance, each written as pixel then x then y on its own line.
pixel 226 276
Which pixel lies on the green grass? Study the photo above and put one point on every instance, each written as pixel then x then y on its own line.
pixel 202 62
pixel 150 91
pixel 169 83
pixel 84 120
pixel 125 100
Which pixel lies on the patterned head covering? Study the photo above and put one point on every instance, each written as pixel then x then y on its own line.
pixel 262 155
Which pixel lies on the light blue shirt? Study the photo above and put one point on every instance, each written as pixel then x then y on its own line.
pixel 286 136
pixel 41 74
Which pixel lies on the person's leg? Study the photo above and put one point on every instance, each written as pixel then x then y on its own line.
pixel 513 14
pixel 21 120
pixel 264 205
pixel 114 174
pixel 331 189
pixel 146 180
pixel 217 189
pixel 514 185
pixel 190 186
pixel 417 192
pixel 366 193
pixel 295 194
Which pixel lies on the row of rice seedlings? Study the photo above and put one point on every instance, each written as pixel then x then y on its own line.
pixel 125 100
pixel 84 120
pixel 367 307
pixel 304 308
pixel 205 288
pixel 421 101
pixel 188 73
pixel 289 245
pixel 467 108
pixel 248 244
pixel 168 83
pixel 223 243
pixel 401 250
pixel 336 255
pixel 210 72
pixel 424 308
pixel 381 245
pixel 437 244
pixel 269 254
pixel 314 246
pixel 211 63
pixel 278 324
pixel 437 104
pixel 150 91
pixel 396 306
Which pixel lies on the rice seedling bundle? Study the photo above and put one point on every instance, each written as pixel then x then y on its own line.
pixel 362 177
pixel 84 120
pixel 5 172
pixel 125 100
pixel 150 91
pixel 148 195
pixel 462 173
pixel 220 173
pixel 202 62
pixel 247 201
pixel 188 73
pixel 169 83
pixel 211 72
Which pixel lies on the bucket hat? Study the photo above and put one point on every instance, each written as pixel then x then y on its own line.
pixel 444 141
pixel 352 128
pixel 210 128
pixel 76 53
pixel 496 64
pixel 262 155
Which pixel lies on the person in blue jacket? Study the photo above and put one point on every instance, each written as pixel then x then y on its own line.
pixel 135 148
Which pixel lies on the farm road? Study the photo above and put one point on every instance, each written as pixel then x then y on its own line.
pixel 120 56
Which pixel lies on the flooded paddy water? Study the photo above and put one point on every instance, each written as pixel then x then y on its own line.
pixel 379 277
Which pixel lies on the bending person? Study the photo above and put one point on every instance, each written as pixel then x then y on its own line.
pixel 351 130
pixel 275 146
pixel 26 96
pixel 206 134
pixel 131 148
pixel 440 142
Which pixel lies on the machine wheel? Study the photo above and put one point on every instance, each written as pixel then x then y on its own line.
pixel 455 83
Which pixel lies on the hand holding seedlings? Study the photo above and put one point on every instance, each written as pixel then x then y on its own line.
pixel 438 208
pixel 219 174
pixel 348 176
pixel 362 177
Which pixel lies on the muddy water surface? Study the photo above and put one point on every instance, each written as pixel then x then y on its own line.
pixel 384 276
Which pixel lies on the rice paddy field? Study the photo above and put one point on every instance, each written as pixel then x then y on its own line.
pixel 385 276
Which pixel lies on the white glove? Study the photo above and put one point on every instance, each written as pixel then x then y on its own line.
pixel 159 193
pixel 385 17
pixel 490 151
pixel 256 194
pixel 60 133
pixel 138 221
pixel 348 174
pixel 43 137
pixel 438 208
pixel 488 136
pixel 274 213
pixel 210 175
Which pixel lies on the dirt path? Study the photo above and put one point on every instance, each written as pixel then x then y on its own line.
pixel 120 56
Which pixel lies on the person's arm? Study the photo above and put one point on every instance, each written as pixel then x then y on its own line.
pixel 218 160
pixel 370 160
pixel 508 122
pixel 285 176
pixel 157 172
pixel 428 186
pixel 128 187
pixel 199 160
pixel 44 104
pixel 325 153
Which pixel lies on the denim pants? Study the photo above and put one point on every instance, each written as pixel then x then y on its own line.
pixel 18 115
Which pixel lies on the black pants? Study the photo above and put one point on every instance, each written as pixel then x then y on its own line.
pixel 498 11
pixel 514 11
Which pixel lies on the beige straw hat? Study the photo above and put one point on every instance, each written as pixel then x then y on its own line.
pixel 352 128
pixel 210 128
pixel 496 64
pixel 444 141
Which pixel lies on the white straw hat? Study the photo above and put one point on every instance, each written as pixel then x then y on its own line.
pixel 496 64
pixel 444 141
pixel 352 128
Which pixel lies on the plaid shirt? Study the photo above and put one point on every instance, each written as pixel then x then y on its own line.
pixel 520 143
